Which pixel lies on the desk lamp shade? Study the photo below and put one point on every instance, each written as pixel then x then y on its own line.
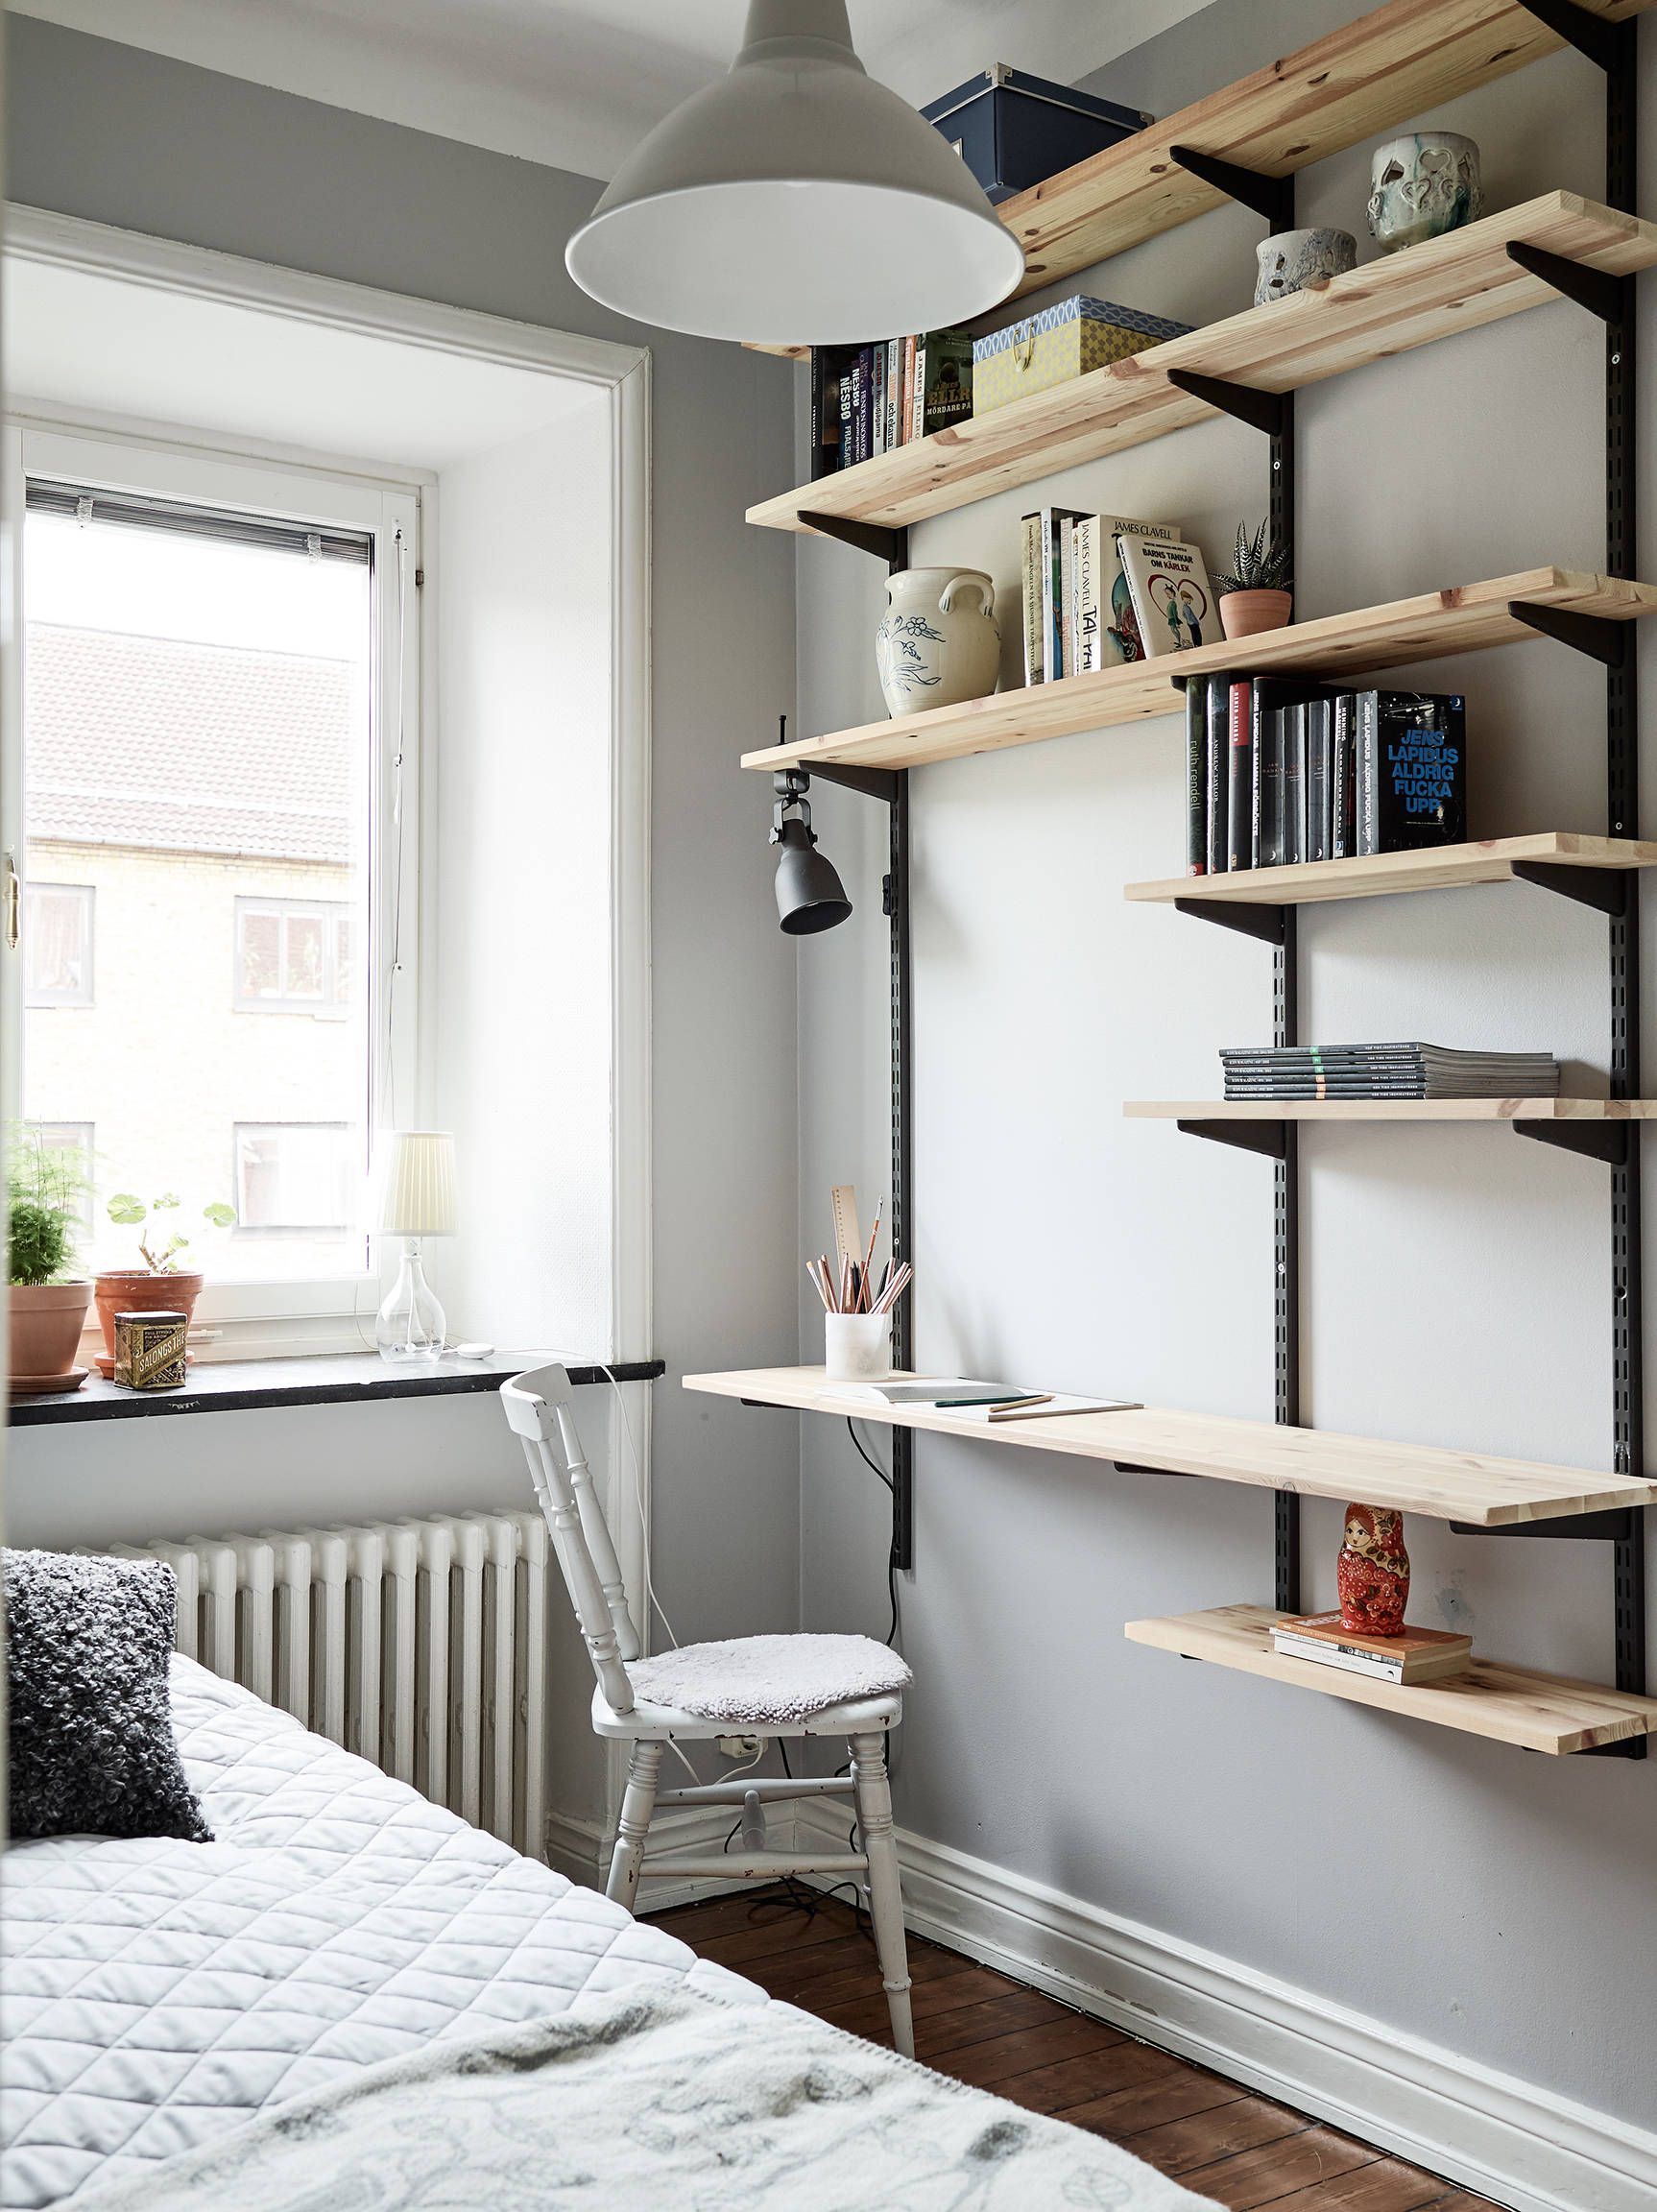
pixel 796 202
pixel 411 1196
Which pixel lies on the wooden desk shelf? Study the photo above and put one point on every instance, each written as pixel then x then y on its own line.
pixel 1594 1110
pixel 1467 618
pixel 1508 1704
pixel 1382 875
pixel 1389 306
pixel 1467 1486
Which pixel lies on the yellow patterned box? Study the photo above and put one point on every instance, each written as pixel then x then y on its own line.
pixel 1059 344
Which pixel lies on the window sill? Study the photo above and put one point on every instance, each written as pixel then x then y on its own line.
pixel 339 1379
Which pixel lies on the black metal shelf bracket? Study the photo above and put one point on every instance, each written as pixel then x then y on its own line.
pixel 1266 922
pixel 1590 34
pixel 1614 1526
pixel 1604 889
pixel 1591 288
pixel 1594 635
pixel 1265 1137
pixel 1266 411
pixel 886 544
pixel 1603 1141
pixel 873 782
pixel 1248 186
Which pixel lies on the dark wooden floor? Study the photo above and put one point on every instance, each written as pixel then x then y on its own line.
pixel 980 2027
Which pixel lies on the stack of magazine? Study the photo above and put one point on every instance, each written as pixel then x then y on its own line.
pixel 1405 1071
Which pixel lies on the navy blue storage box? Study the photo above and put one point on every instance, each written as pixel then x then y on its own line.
pixel 1013 130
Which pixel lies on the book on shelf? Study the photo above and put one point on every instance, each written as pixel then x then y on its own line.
pixel 1418 1655
pixel 1030 573
pixel 1385 1071
pixel 1412 770
pixel 1196 777
pixel 1217 778
pixel 1107 627
pixel 1052 524
pixel 1319 778
pixel 1173 598
pixel 1343 777
pixel 942 391
pixel 867 400
pixel 1239 774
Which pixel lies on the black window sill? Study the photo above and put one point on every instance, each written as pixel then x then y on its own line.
pixel 340 1379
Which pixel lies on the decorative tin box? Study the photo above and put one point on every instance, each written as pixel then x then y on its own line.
pixel 1059 344
pixel 150 1349
pixel 1013 130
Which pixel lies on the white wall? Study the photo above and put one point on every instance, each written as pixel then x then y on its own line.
pixel 1457 1283
pixel 523 799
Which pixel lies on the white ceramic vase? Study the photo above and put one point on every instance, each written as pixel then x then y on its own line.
pixel 1421 185
pixel 937 644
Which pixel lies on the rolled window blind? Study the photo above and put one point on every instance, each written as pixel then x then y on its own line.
pixel 132 510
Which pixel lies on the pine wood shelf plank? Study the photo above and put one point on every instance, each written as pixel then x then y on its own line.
pixel 1391 1109
pixel 1415 1478
pixel 1467 618
pixel 1391 305
pixel 1506 1704
pixel 1377 874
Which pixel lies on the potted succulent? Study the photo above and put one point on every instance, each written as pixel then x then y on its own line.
pixel 46 1300
pixel 163 1284
pixel 1258 594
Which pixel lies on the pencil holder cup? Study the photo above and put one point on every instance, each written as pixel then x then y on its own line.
pixel 857 1347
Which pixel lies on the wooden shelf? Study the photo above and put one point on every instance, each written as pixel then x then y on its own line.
pixel 1468 1486
pixel 1508 1704
pixel 1379 875
pixel 1467 618
pixel 1391 305
pixel 1392 1110
pixel 1361 81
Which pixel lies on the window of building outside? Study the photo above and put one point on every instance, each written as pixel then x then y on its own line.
pixel 200 788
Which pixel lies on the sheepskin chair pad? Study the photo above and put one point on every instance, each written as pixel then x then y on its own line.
pixel 755 1679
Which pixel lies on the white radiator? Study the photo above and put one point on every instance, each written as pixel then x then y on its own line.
pixel 419 1645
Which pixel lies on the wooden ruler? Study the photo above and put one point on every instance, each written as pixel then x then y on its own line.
pixel 848 1236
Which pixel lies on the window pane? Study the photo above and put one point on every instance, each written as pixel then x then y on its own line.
pixel 197 775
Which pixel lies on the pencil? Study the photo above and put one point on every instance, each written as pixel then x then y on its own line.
pixel 817 1282
pixel 868 1260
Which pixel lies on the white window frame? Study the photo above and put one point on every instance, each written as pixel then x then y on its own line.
pixel 87 894
pixel 250 1320
pixel 327 1005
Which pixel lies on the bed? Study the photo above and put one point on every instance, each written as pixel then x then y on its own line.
pixel 350 1977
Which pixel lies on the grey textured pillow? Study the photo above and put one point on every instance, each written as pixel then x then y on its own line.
pixel 87 1649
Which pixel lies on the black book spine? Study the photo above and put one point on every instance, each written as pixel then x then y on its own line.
pixel 847 419
pixel 1420 775
pixel 1240 792
pixel 1273 852
pixel 1368 741
pixel 1217 766
pixel 819 460
pixel 1260 725
pixel 1197 776
pixel 1318 751
pixel 1293 784
pixel 1341 764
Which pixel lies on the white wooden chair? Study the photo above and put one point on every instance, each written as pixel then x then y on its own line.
pixel 538 1407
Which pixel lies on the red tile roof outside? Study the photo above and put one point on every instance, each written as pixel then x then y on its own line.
pixel 162 743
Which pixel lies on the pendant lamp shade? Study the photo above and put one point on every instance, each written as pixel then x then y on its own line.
pixel 795 202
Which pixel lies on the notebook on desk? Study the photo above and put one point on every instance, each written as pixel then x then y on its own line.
pixel 991 1403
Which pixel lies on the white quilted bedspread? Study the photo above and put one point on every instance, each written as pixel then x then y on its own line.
pixel 154 1994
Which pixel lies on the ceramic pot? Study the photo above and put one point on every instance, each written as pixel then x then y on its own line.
pixel 1421 185
pixel 1292 259
pixel 1372 1574
pixel 135 1291
pixel 45 1322
pixel 937 644
pixel 1247 613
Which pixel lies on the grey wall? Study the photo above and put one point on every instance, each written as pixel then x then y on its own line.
pixel 120 136
pixel 1456 1281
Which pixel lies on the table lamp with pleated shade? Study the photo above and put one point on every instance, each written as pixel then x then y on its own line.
pixel 412 1195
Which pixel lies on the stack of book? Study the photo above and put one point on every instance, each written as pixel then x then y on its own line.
pixel 1411 1071
pixel 1102 588
pixel 1418 1655
pixel 1281 770
pixel 870 399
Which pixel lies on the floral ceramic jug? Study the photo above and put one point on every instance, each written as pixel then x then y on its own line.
pixel 937 644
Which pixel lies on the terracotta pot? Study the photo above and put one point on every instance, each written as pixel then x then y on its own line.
pixel 46 1320
pixel 1247 613
pixel 135 1291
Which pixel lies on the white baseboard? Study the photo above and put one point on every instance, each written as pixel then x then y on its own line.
pixel 1506 2139
pixel 580 1848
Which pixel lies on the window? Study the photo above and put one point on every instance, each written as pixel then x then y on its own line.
pixel 74 1138
pixel 295 1177
pixel 57 944
pixel 292 958
pixel 220 760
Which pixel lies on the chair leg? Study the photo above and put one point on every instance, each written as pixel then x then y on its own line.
pixel 637 1804
pixel 874 1797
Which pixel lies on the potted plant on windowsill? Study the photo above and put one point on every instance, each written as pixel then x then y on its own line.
pixel 1258 594
pixel 163 1284
pixel 46 1301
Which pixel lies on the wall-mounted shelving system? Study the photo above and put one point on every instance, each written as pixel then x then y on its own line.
pixel 1244 144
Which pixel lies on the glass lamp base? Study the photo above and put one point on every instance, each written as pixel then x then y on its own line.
pixel 411 1325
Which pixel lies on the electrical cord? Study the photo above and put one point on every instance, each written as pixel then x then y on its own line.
pixel 870 1460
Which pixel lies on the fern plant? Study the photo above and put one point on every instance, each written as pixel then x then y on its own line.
pixel 44 1187
pixel 1257 563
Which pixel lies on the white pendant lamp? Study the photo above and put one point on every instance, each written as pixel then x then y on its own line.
pixel 796 202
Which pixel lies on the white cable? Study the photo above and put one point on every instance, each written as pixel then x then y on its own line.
pixel 650 1597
